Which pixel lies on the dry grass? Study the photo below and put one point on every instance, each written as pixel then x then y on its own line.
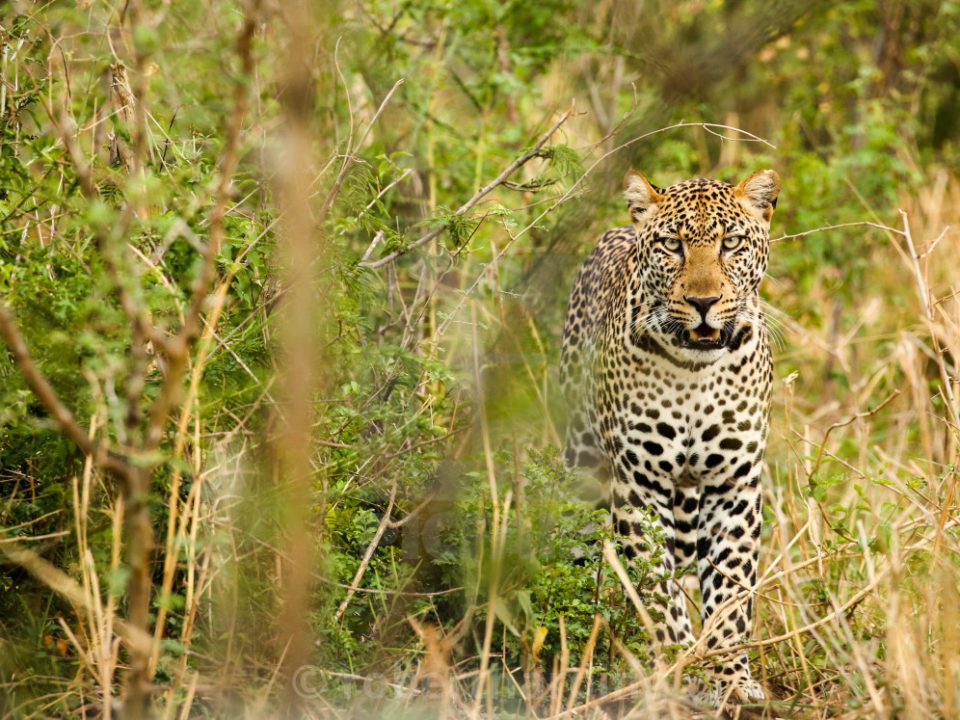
pixel 858 601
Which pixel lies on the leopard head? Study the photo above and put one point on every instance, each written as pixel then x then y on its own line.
pixel 703 247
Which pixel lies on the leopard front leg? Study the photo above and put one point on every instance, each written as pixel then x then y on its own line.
pixel 728 545
pixel 643 519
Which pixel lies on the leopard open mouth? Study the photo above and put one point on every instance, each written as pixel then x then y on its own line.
pixel 704 337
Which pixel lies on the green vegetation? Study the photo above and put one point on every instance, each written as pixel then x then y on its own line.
pixel 291 277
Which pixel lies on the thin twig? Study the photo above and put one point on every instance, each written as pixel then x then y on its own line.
pixel 62 123
pixel 855 600
pixel 373 246
pixel 480 194
pixel 946 383
pixel 350 155
pixel 368 554
pixel 825 228
pixel 849 421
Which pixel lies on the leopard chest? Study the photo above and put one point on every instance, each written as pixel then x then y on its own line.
pixel 667 427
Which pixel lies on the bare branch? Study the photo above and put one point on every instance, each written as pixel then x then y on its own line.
pixel 481 193
pixel 838 611
pixel 923 291
pixel 825 228
pixel 140 319
pixel 372 246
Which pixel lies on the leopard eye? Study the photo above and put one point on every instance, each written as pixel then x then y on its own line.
pixel 671 243
pixel 732 242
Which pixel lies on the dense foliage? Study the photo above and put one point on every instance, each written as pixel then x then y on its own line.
pixel 459 161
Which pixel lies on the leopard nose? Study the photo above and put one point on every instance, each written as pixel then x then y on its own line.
pixel 702 304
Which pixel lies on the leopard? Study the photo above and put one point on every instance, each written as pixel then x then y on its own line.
pixel 667 371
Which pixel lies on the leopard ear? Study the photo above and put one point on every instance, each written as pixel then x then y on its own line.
pixel 642 197
pixel 758 193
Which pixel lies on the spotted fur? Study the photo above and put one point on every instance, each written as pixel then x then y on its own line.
pixel 667 371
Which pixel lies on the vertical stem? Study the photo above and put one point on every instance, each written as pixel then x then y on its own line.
pixel 139 532
pixel 495 548
pixel 309 58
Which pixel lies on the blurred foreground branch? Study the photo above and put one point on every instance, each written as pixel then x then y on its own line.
pixel 57 580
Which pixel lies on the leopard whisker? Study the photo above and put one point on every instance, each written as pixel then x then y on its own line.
pixel 772 325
